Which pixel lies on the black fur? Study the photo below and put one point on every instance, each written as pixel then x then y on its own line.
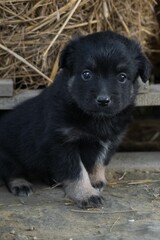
pixel 78 121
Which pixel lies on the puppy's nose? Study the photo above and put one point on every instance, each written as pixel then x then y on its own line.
pixel 103 100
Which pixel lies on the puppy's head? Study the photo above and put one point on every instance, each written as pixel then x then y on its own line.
pixel 103 70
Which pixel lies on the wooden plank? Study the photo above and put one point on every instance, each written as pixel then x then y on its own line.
pixel 129 161
pixel 7 103
pixel 6 87
pixel 150 98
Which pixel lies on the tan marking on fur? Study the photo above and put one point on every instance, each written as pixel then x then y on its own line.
pixel 80 189
pixel 98 174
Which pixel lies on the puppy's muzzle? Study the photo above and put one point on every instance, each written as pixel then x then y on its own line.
pixel 103 100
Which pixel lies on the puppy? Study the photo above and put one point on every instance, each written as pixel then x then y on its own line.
pixel 71 130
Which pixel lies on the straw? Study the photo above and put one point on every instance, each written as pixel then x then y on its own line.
pixel 34 32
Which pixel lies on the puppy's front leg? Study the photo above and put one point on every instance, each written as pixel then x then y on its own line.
pixel 97 175
pixel 81 191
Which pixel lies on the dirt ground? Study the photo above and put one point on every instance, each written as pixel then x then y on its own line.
pixel 131 212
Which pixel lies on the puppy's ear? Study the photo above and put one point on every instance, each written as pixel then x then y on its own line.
pixel 65 59
pixel 144 68
pixel 142 63
pixel 67 55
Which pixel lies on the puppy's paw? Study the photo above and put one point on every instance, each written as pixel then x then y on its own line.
pixel 99 185
pixel 22 191
pixel 84 195
pixel 93 201
pixel 20 187
pixel 81 191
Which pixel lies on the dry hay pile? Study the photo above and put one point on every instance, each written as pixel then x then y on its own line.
pixel 32 32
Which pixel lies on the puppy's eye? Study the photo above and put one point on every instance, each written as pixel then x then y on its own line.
pixel 122 78
pixel 86 75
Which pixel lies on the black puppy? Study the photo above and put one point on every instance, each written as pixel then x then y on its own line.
pixel 70 131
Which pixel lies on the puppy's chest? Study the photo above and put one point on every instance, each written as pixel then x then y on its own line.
pixel 87 142
pixel 74 134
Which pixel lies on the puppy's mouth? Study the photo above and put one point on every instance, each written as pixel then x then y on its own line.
pixel 92 108
pixel 102 112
